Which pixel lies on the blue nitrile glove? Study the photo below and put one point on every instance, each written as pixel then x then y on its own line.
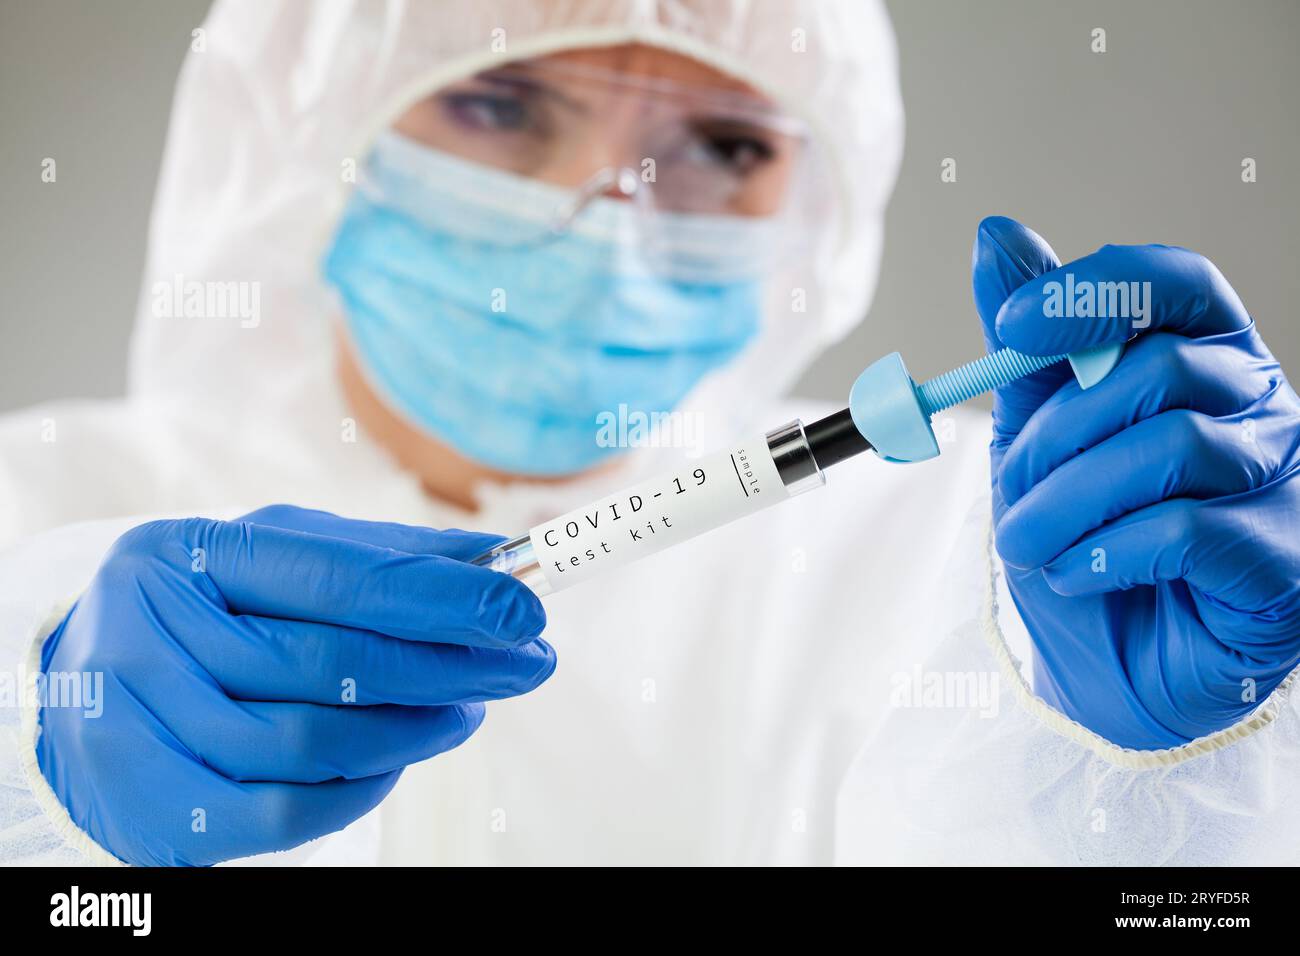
pixel 1150 525
pixel 265 680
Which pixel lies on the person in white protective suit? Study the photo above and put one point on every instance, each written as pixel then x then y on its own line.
pixel 759 695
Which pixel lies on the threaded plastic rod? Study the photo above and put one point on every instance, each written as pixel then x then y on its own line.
pixel 977 377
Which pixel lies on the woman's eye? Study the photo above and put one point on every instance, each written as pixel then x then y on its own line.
pixel 487 111
pixel 739 153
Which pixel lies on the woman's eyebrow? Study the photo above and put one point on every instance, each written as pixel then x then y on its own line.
pixel 530 86
pixel 731 124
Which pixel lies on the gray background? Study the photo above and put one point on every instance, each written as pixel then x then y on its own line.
pixel 1142 143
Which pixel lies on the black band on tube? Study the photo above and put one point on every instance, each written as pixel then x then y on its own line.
pixel 835 438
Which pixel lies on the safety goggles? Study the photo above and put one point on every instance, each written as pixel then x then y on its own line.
pixel 584 133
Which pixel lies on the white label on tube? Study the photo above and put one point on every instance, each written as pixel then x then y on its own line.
pixel 657 513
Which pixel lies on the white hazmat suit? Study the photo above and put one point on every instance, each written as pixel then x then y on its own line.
pixel 758 695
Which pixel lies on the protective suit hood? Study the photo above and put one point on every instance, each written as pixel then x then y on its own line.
pixel 277 103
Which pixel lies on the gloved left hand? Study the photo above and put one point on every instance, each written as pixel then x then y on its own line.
pixel 1150 525
pixel 264 681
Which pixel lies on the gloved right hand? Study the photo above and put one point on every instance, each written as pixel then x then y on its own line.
pixel 266 680
pixel 1150 525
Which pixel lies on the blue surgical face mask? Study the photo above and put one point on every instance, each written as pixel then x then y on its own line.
pixel 509 343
